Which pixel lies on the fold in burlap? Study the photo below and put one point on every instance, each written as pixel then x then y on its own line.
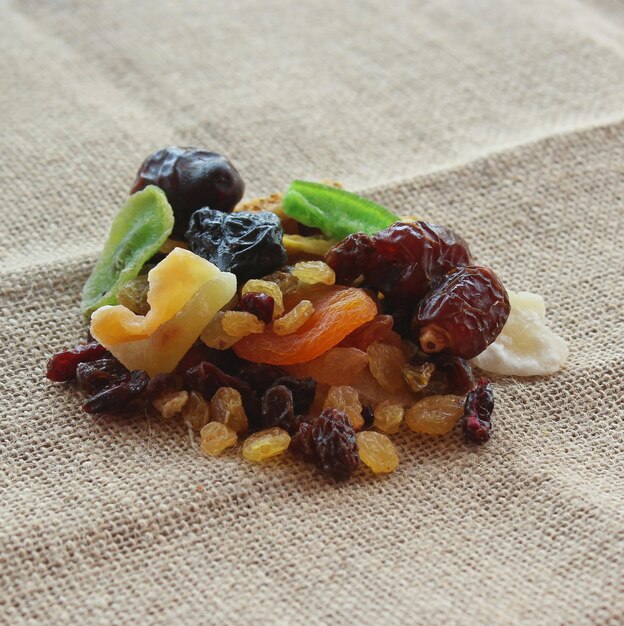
pixel 111 521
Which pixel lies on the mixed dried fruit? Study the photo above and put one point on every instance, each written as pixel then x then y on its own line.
pixel 315 323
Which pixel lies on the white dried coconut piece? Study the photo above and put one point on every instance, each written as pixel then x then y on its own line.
pixel 526 346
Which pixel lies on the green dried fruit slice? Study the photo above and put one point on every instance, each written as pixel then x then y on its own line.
pixel 142 225
pixel 336 212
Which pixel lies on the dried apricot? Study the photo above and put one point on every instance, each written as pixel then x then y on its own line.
pixel 338 366
pixel 337 312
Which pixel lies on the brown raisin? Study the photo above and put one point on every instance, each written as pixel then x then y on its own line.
pixel 303 391
pixel 278 409
pixel 120 398
pixel 93 376
pixel 62 366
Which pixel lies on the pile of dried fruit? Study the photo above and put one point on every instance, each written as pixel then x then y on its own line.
pixel 317 322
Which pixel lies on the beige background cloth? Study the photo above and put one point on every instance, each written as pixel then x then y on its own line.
pixel 501 119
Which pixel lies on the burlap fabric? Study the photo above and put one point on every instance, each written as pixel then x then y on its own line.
pixel 104 521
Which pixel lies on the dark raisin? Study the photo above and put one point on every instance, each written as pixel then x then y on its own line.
pixel 259 304
pixel 478 407
pixel 459 375
pixel 93 376
pixel 409 257
pixel 191 179
pixel 303 391
pixel 62 366
pixel 161 384
pixel 120 398
pixel 247 244
pixel 463 314
pixel 350 257
pixel 225 360
pixel 329 441
pixel 278 410
pixel 368 415
pixel 260 376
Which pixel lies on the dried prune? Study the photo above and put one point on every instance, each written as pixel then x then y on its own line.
pixel 329 441
pixel 303 391
pixel 191 179
pixel 409 257
pixel 244 243
pixel 478 407
pixel 350 257
pixel 62 366
pixel 120 398
pixel 93 376
pixel 278 409
pixel 464 313
pixel 259 304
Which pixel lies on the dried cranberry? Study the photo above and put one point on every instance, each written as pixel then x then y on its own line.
pixel 62 366
pixel 259 304
pixel 329 441
pixel 93 376
pixel 350 257
pixel 119 398
pixel 368 415
pixel 303 391
pixel 478 407
pixel 464 313
pixel 278 409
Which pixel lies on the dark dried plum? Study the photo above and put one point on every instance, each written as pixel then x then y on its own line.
pixel 62 366
pixel 191 179
pixel 247 244
pixel 329 441
pixel 463 314
pixel 478 408
pixel 259 304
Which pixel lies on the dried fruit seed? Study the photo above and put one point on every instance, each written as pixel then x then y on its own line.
pixel 388 416
pixel 226 407
pixel 435 415
pixel 269 288
pixel 346 399
pixel 377 451
pixel 294 319
pixel 196 411
pixel 215 337
pixel 386 364
pixel 216 437
pixel 241 324
pixel 265 444
pixel 417 377
pixel 312 272
pixel 170 404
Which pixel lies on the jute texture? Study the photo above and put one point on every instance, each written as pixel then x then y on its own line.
pixel 501 119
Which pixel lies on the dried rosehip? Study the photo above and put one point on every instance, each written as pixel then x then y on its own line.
pixel 191 179
pixel 465 312
pixel 350 257
pixel 93 376
pixel 330 443
pixel 303 391
pixel 278 410
pixel 62 366
pixel 478 407
pixel 259 304
pixel 409 257
pixel 120 398
pixel 245 243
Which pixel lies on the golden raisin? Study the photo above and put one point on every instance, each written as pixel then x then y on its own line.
pixel 388 416
pixel 215 337
pixel 386 363
pixel 170 404
pixel 346 399
pixel 241 324
pixel 435 415
pixel 226 407
pixel 216 437
pixel 294 319
pixel 417 377
pixel 377 451
pixel 265 444
pixel 133 295
pixel 312 272
pixel 269 288
pixel 196 411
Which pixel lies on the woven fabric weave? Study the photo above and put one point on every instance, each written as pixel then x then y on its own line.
pixel 500 119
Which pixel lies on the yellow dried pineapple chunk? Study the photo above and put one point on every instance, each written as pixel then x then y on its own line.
pixel 172 283
pixel 162 349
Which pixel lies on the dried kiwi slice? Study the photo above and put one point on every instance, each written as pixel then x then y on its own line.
pixel 142 225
